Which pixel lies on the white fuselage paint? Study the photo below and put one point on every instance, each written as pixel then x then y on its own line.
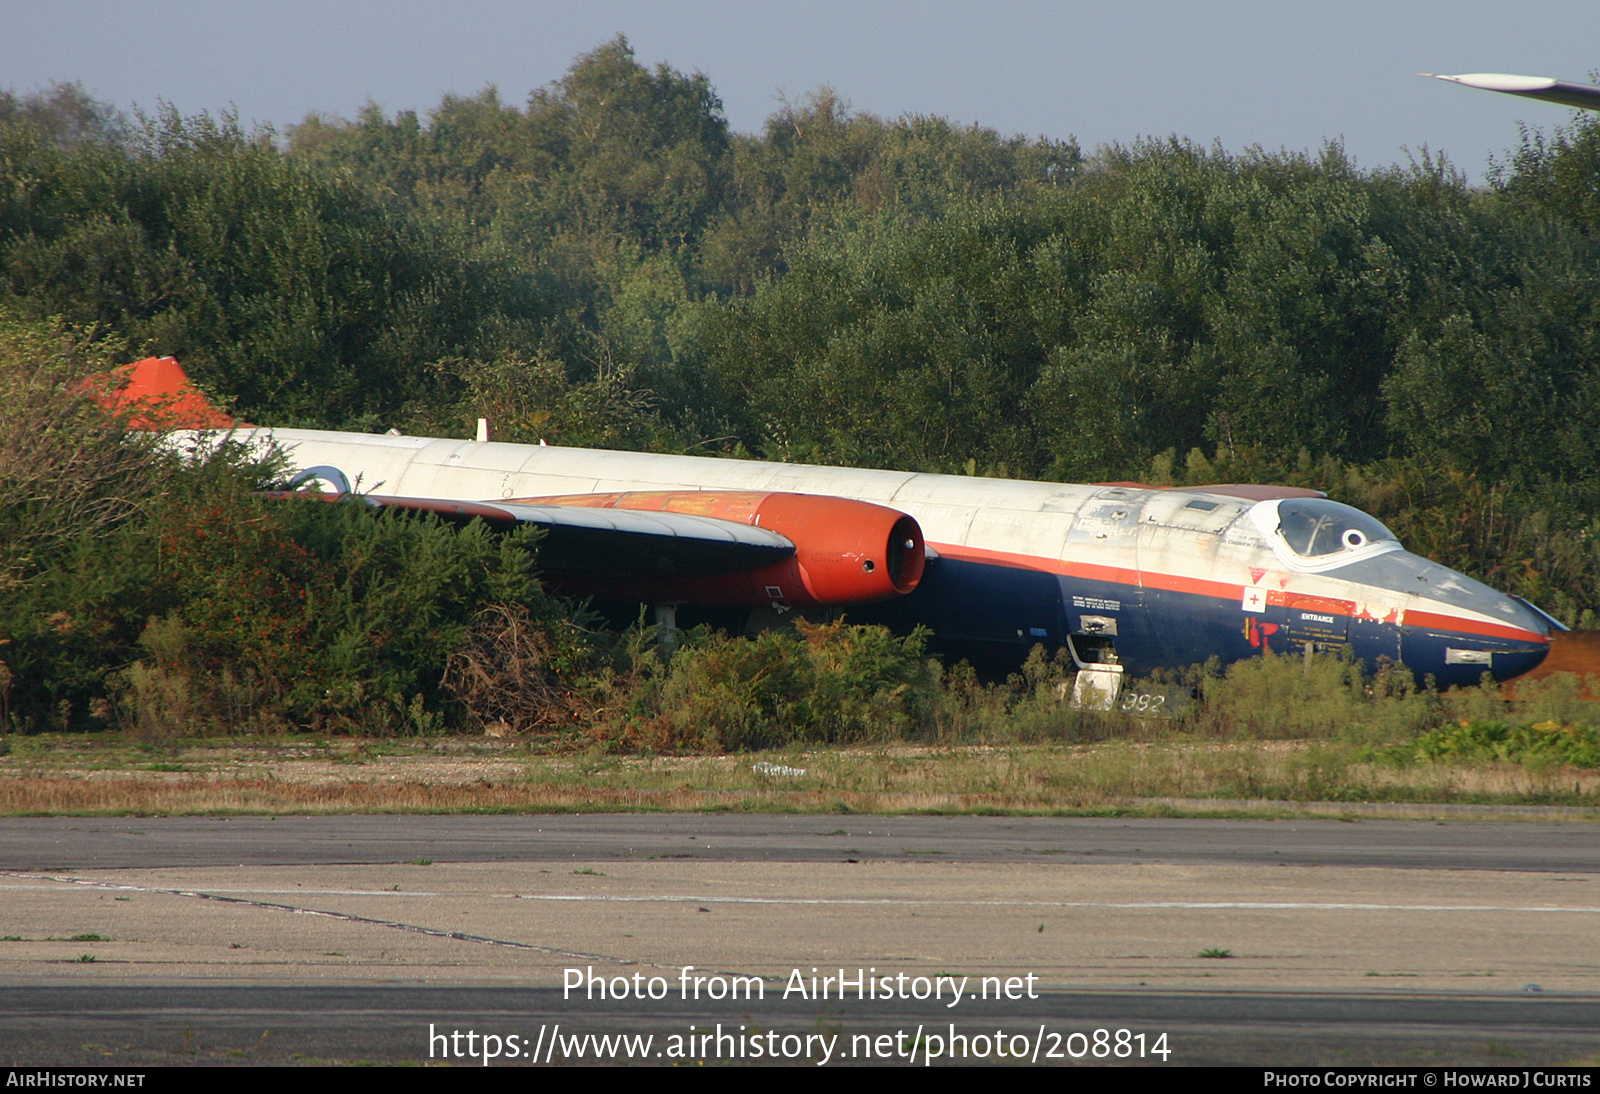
pixel 1150 538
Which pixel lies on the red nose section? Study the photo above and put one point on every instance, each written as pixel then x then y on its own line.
pixel 156 394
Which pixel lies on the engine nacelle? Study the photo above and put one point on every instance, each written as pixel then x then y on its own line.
pixel 846 552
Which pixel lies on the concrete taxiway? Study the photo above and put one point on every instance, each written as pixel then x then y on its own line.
pixel 1246 941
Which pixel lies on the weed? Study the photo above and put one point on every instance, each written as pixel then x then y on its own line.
pixel 1215 952
pixel 1151 767
pixel 1494 1048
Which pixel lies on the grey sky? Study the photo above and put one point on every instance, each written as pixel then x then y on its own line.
pixel 1278 74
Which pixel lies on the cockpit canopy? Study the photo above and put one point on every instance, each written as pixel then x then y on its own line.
pixel 1315 528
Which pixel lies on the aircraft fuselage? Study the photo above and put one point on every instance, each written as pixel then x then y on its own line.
pixel 1138 577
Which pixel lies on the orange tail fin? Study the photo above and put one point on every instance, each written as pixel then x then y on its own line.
pixel 156 394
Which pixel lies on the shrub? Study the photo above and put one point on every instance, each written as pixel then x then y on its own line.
pixel 327 615
pixel 1267 698
pixel 162 578
pixel 517 673
pixel 820 683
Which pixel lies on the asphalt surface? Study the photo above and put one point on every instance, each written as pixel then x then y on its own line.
pixel 176 1026
pixel 76 843
pixel 134 942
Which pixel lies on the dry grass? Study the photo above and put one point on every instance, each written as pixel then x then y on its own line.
pixel 108 777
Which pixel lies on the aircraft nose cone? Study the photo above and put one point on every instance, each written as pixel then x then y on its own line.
pixel 1511 663
pixel 1458 629
pixel 1513 657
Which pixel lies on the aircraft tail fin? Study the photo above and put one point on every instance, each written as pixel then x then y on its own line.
pixel 157 394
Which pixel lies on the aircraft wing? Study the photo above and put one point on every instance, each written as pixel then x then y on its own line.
pixel 706 547
pixel 604 542
pixel 1583 96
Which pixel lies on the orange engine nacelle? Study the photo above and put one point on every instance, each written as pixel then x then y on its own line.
pixel 846 552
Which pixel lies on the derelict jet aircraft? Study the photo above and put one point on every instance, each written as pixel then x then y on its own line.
pixel 1125 577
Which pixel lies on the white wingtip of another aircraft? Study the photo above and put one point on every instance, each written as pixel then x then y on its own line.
pixel 1583 96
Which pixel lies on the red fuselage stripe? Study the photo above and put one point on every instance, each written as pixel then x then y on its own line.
pixel 1435 622
pixel 1116 575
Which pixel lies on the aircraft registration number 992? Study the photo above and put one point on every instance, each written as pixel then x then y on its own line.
pixel 1154 702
